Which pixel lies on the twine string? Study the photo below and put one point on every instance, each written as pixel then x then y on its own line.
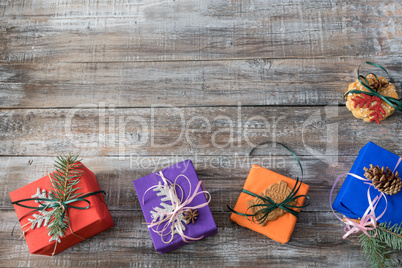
pixel 171 220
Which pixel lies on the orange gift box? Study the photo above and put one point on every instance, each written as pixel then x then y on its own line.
pixel 257 181
pixel 84 223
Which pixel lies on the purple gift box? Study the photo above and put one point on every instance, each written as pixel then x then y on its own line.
pixel 150 195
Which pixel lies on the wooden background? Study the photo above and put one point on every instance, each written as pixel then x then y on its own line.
pixel 136 85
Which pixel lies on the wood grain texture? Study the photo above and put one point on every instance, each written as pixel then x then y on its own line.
pixel 155 30
pixel 329 130
pixel 186 83
pixel 134 86
pixel 223 176
pixel 129 244
pixel 317 233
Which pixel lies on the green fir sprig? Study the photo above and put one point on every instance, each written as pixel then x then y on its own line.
pixel 62 196
pixel 378 249
pixel 64 180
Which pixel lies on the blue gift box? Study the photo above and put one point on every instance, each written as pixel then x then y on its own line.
pixel 352 197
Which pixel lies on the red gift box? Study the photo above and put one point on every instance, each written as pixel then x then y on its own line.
pixel 84 223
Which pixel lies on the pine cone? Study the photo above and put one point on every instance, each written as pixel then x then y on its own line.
pixel 383 180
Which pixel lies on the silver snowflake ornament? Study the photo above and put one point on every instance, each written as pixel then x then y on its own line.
pixel 43 216
pixel 159 212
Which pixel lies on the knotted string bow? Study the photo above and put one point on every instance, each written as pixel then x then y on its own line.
pixel 57 204
pixel 172 219
pixel 393 102
pixel 270 205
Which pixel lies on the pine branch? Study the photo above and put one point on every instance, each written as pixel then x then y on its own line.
pixel 390 235
pixel 64 180
pixel 378 250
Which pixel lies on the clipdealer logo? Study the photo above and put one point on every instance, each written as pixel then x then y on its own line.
pixel 137 132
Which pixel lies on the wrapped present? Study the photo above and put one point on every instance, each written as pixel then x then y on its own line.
pixel 286 198
pixel 372 98
pixel 175 206
pixel 83 215
pixel 352 199
pixel 370 200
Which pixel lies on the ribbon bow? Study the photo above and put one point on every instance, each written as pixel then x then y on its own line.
pixel 172 219
pixel 367 223
pixel 269 205
pixel 394 103
pixel 369 218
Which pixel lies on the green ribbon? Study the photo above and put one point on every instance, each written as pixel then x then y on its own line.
pixel 284 146
pixel 393 102
pixel 55 203
pixel 268 204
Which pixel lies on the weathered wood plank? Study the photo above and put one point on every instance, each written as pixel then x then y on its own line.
pixel 192 83
pixel 89 31
pixel 317 131
pixel 112 62
pixel 317 233
pixel 316 242
pixel 224 176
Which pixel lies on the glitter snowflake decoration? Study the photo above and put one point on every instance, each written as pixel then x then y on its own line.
pixel 44 216
pixel 159 213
